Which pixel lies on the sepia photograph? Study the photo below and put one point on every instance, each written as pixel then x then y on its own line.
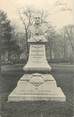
pixel 36 58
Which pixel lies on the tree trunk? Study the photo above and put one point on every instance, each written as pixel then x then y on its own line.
pixel 0 62
pixel 50 51
pixel 27 48
pixel 8 55
pixel 65 50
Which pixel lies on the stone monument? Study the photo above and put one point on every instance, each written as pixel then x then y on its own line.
pixel 37 84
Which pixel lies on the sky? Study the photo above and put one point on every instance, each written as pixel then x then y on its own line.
pixel 61 12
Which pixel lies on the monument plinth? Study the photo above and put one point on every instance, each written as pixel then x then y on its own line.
pixel 38 85
pixel 37 61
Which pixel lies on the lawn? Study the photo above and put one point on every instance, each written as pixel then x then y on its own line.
pixel 64 75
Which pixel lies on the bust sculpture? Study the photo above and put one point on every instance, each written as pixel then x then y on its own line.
pixel 37 31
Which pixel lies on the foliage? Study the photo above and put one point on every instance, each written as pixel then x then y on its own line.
pixel 68 36
pixel 5 31
pixel 7 43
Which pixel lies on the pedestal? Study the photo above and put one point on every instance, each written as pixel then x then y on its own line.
pixel 37 87
pixel 37 61
pixel 37 84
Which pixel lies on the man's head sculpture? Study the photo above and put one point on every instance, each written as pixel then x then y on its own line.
pixel 37 19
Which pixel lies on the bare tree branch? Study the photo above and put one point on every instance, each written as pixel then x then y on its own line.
pixel 22 19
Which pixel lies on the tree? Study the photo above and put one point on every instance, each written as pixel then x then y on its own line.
pixel 8 43
pixel 51 35
pixel 68 32
pixel 26 18
pixel 59 47
pixel 5 31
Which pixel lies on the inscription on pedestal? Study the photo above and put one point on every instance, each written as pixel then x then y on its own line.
pixel 37 53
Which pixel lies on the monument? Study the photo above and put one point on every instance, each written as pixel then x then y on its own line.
pixel 37 84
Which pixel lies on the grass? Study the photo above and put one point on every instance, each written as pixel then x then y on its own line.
pixel 63 74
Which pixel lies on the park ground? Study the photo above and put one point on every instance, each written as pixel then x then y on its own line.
pixel 63 74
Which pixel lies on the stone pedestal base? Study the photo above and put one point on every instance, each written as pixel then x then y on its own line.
pixel 37 87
